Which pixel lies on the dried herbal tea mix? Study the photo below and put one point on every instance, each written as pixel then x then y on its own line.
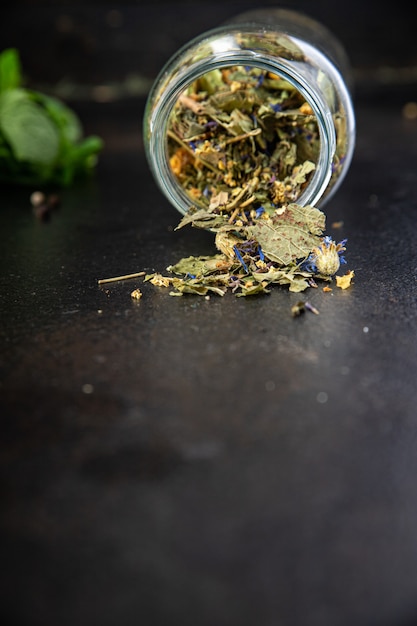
pixel 283 246
pixel 246 129
pixel 243 144
pixel 242 138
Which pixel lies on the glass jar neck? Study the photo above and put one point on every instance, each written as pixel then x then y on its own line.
pixel 298 62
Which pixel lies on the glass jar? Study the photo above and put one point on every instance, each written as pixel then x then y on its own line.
pixel 277 45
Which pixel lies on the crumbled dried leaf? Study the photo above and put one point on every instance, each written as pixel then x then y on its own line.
pixel 297 309
pixel 158 280
pixel 273 246
pixel 298 284
pixel 345 281
pixel 253 289
pixel 195 287
pixel 201 265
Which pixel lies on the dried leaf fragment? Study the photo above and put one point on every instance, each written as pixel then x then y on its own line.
pixel 158 280
pixel 297 309
pixel 345 281
pixel 136 294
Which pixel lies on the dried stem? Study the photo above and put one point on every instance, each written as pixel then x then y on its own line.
pixel 115 279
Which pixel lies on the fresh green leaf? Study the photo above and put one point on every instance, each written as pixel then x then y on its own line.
pixel 65 119
pixel 10 72
pixel 28 129
pixel 41 138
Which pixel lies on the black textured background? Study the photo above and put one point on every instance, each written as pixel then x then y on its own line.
pixel 231 465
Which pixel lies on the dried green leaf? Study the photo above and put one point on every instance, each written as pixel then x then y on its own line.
pixel 253 290
pixel 297 284
pixel 283 243
pixel 239 124
pixel 211 81
pixel 200 266
pixel 273 275
pixel 301 172
pixel 290 235
pixel 195 287
pixel 296 280
pixel 203 218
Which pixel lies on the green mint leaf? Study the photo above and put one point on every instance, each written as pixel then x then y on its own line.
pixel 65 119
pixel 28 129
pixel 10 73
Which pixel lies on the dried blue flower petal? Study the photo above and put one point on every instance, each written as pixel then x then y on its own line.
pixel 240 259
pixel 276 108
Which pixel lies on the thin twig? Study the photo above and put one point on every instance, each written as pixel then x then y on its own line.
pixel 115 279
pixel 251 133
pixel 186 147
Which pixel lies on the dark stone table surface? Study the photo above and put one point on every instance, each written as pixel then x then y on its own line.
pixel 182 461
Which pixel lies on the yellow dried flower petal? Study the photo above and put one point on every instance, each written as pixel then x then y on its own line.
pixel 345 281
pixel 160 281
pixel 136 294
pixel 306 109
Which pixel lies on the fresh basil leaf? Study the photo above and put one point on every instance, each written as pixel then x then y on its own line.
pixel 10 72
pixel 31 133
pixel 41 138
pixel 65 119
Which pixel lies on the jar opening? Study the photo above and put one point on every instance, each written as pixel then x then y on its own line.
pixel 242 132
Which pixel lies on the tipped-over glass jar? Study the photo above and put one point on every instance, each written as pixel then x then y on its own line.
pixel 252 116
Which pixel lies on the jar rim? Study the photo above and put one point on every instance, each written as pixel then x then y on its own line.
pixel 287 69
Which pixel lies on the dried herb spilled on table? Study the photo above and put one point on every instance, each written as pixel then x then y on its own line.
pixel 41 139
pixel 243 144
pixel 286 246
